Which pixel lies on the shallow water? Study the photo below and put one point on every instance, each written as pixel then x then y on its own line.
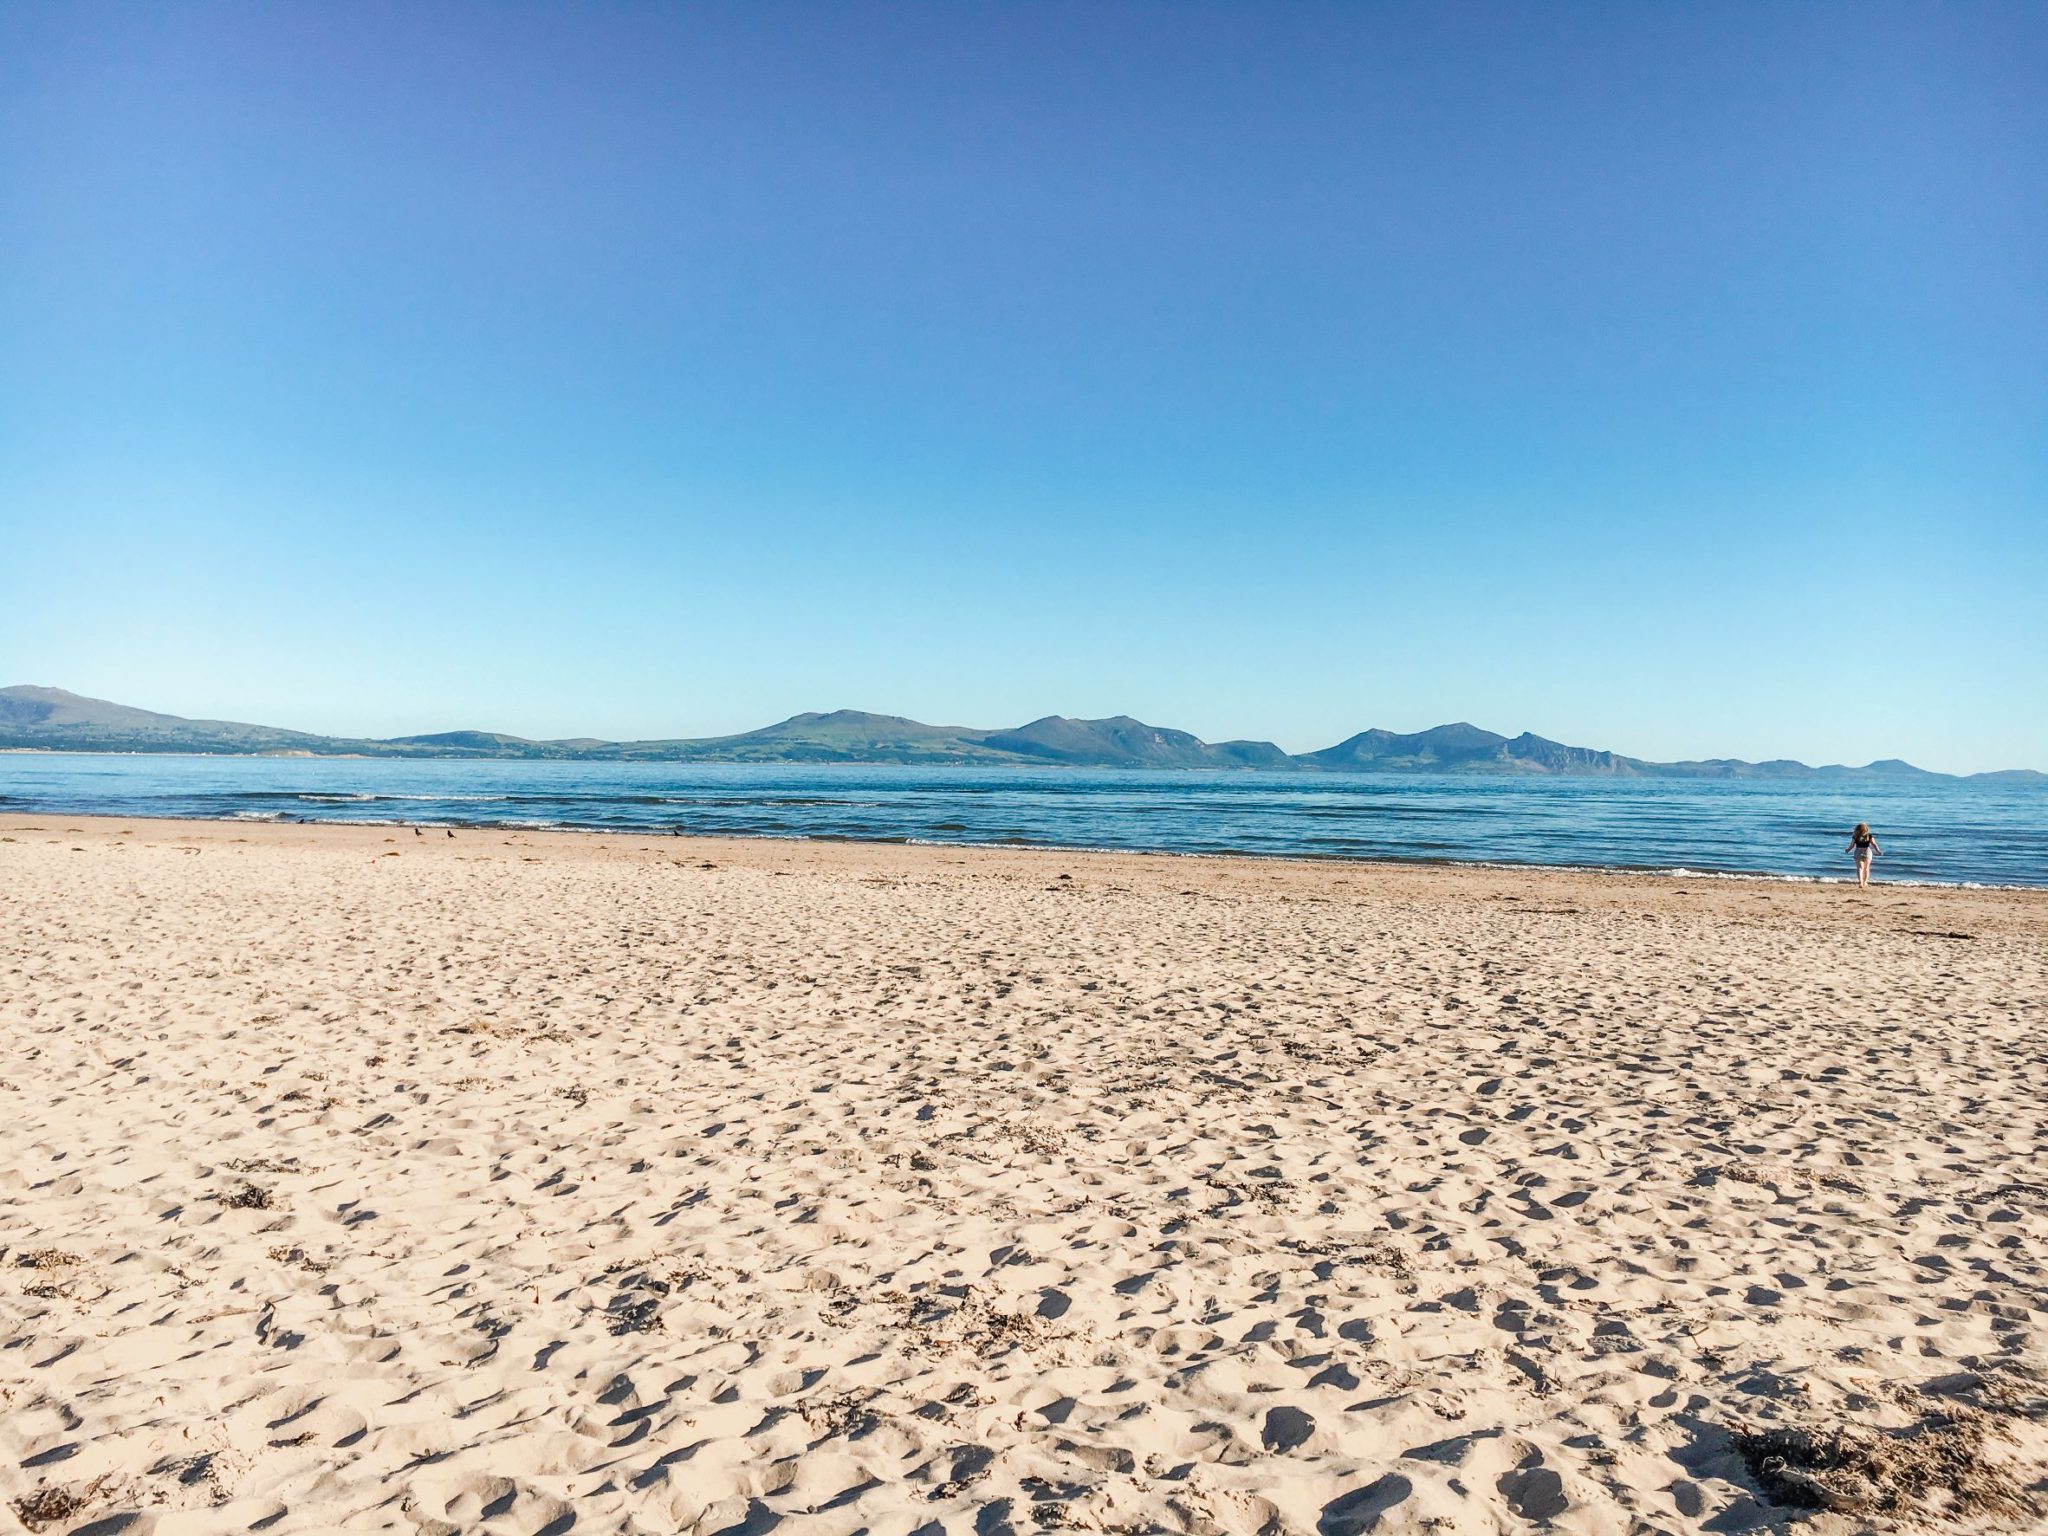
pixel 1939 831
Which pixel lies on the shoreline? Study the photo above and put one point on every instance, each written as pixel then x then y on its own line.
pixel 1603 871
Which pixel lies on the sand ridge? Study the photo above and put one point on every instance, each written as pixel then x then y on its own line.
pixel 524 1182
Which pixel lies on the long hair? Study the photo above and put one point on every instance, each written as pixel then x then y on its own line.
pixel 1862 830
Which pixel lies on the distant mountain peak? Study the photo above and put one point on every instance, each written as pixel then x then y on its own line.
pixel 846 717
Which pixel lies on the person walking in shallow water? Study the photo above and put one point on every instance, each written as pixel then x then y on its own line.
pixel 1864 846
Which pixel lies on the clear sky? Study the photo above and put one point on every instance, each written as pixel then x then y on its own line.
pixel 1672 379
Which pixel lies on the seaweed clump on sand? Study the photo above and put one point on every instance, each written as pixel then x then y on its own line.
pixel 1937 1466
pixel 47 1258
pixel 49 1504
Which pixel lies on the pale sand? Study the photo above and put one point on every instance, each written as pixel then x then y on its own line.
pixel 516 1182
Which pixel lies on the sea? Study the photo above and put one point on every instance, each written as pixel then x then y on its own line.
pixel 1934 831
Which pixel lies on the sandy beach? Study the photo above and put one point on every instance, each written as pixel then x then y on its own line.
pixel 527 1183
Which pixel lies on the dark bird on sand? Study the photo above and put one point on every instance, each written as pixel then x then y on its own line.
pixel 416 832
pixel 451 831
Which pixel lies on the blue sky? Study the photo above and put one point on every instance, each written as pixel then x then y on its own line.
pixel 1669 379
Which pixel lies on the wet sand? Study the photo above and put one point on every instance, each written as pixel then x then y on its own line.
pixel 523 1182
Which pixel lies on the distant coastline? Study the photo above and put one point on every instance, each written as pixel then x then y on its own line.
pixel 36 718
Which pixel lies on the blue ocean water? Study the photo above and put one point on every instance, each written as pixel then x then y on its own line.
pixel 1939 831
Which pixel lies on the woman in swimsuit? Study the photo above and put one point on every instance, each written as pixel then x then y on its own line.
pixel 1863 845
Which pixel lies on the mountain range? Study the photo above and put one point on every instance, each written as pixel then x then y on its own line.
pixel 50 719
